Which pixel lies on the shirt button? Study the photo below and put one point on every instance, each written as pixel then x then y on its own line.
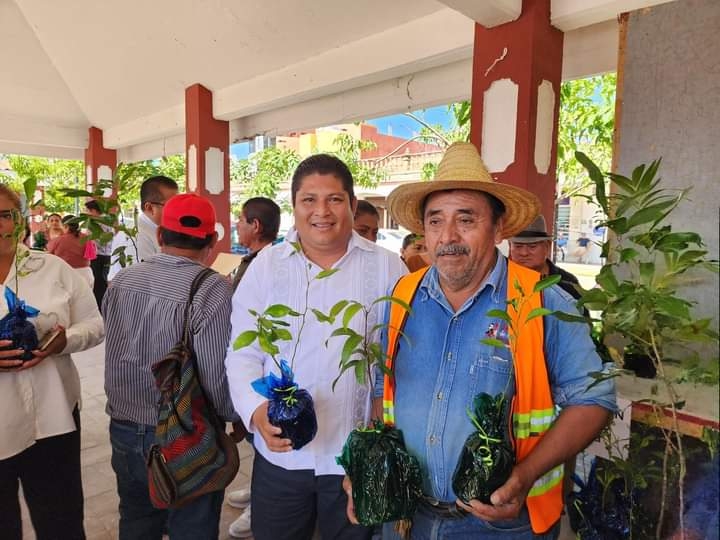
pixel 440 396
pixel 432 439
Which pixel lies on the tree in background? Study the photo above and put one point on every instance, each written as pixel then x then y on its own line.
pixel 56 176
pixel 586 124
pixel 263 173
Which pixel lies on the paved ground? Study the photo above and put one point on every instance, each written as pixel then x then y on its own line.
pixel 101 501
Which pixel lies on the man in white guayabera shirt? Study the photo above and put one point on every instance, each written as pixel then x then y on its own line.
pixel 291 489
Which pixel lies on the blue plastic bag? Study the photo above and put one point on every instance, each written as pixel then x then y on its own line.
pixel 16 327
pixel 290 408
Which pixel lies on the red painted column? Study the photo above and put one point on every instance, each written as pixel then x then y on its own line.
pixel 207 143
pixel 517 69
pixel 100 162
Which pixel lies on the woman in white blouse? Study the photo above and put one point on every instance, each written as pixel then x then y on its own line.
pixel 39 398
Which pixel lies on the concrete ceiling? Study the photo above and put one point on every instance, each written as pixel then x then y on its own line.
pixel 273 66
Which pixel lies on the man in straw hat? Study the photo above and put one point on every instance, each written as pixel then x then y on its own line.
pixel 531 248
pixel 463 215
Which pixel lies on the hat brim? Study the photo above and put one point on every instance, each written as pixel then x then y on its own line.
pixel 521 206
pixel 529 239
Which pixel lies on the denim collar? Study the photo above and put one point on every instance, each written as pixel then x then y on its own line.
pixel 430 285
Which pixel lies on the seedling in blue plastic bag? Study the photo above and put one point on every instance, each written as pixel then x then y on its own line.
pixel 290 407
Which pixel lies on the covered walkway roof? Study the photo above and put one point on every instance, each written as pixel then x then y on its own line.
pixel 273 66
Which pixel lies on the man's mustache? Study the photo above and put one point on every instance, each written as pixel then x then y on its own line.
pixel 452 249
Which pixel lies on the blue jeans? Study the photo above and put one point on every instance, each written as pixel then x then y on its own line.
pixel 139 519
pixel 428 526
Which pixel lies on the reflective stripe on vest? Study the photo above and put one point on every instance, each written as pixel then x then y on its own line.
pixel 405 290
pixel 533 410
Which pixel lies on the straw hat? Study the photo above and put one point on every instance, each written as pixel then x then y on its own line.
pixel 535 232
pixel 462 168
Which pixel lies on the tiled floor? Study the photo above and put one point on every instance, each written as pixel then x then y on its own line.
pixel 101 501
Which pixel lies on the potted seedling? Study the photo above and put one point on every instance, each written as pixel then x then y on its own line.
pixel 641 303
pixel 487 457
pixel 290 407
pixel 386 480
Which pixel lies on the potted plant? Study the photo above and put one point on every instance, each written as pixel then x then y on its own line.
pixel 386 479
pixel 641 305
pixel 290 407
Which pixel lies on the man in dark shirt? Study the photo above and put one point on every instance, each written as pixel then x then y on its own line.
pixel 257 227
pixel 531 248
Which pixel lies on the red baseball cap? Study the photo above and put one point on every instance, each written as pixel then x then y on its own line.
pixel 189 213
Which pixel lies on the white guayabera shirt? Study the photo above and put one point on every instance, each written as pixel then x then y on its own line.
pixel 277 276
pixel 38 402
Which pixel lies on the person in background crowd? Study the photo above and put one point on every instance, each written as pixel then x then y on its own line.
pixel 294 489
pixel 100 265
pixel 71 247
pixel 54 226
pixel 40 398
pixel 367 220
pixel 257 227
pixel 531 248
pixel 154 193
pixel 413 252
pixel 583 249
pixel 144 314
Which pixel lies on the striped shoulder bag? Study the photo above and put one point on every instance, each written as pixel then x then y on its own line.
pixel 192 454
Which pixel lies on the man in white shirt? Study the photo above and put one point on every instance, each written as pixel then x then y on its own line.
pixel 154 193
pixel 291 489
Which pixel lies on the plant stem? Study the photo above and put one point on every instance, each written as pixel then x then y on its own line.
pixel 302 316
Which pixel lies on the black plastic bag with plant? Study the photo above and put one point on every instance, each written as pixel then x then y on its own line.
pixel 386 478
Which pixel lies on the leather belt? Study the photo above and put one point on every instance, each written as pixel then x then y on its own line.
pixel 443 510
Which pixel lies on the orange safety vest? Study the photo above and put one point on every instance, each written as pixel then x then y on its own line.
pixel 533 410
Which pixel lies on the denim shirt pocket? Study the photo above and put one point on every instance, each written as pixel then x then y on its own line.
pixel 489 372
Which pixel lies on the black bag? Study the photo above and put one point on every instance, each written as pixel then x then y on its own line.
pixel 192 454
pixel 386 479
pixel 487 457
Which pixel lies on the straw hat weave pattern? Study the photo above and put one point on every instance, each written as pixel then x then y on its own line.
pixel 462 168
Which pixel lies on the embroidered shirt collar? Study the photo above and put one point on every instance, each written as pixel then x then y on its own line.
pixel 356 241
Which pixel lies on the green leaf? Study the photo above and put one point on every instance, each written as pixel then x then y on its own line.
pixel 350 312
pixel 349 347
pixel 244 339
pixel 267 346
pixel 278 310
pixel 320 316
pixel 647 272
pixel 628 254
pixel 360 373
pixel 607 280
pixel 538 312
pixel 343 332
pixel 326 273
pixel 544 283
pixel 337 308
pixel 393 300
pixel 569 317
pixel 493 342
pixel 283 334
pixel 597 178
pixel 499 314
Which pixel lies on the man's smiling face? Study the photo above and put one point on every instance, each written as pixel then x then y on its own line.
pixel 323 213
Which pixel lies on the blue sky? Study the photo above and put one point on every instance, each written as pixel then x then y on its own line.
pixel 397 124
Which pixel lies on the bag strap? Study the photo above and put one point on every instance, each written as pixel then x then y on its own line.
pixel 197 282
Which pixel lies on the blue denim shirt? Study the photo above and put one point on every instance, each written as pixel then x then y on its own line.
pixel 443 364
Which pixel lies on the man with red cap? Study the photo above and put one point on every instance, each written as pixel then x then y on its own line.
pixel 144 313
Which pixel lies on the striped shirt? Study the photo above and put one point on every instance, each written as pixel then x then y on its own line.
pixel 143 311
